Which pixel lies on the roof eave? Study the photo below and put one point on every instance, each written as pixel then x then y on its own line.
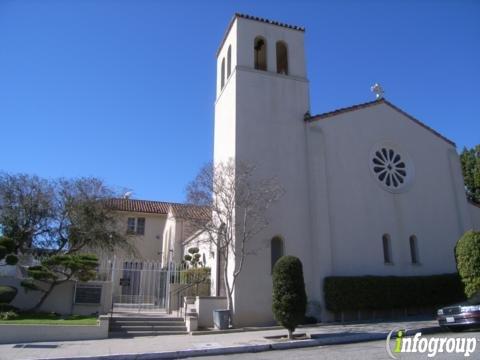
pixel 374 103
pixel 254 18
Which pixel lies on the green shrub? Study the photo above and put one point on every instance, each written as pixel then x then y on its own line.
pixel 6 308
pixel 391 292
pixel 193 250
pixel 289 296
pixel 7 294
pixel 195 275
pixel 7 251
pixel 8 315
pixel 467 253
pixel 11 259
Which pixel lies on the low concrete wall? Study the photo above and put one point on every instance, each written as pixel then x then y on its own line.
pixel 13 334
pixel 177 293
pixel 205 306
pixel 60 300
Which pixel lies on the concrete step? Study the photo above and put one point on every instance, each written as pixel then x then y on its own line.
pixel 181 327
pixel 145 318
pixel 126 334
pixel 142 322
pixel 137 325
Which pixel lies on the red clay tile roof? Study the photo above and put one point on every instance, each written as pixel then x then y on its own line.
pixel 373 103
pixel 256 18
pixel 272 22
pixel 159 207
pixel 185 211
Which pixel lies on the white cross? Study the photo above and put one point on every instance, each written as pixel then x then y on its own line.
pixel 377 90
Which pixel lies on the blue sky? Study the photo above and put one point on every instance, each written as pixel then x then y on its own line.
pixel 124 89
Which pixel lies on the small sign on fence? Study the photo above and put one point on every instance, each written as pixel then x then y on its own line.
pixel 124 282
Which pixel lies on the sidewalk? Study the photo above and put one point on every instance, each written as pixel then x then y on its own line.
pixel 175 346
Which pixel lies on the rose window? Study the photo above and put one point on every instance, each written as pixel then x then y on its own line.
pixel 389 167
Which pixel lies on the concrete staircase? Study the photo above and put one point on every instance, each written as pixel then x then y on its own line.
pixel 131 325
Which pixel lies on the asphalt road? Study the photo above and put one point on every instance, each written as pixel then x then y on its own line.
pixel 360 351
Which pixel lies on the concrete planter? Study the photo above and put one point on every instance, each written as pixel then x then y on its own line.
pixel 19 333
pixel 205 306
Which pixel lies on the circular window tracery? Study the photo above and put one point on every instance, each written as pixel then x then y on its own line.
pixel 391 167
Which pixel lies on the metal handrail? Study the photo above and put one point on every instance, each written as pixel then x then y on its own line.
pixel 178 292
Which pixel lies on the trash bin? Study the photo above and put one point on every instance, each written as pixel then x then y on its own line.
pixel 221 319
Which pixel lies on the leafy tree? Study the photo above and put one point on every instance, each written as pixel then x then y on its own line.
pixel 193 257
pixel 64 215
pixel 470 160
pixel 57 269
pixel 289 296
pixel 467 253
pixel 236 201
pixel 26 209
pixel 57 221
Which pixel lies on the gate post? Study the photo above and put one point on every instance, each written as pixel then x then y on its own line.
pixel 112 280
pixel 167 288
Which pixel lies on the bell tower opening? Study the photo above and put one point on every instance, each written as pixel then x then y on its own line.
pixel 282 58
pixel 260 47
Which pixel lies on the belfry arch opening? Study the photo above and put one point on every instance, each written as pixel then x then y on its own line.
pixel 260 50
pixel 282 58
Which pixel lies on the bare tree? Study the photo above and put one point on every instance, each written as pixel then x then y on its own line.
pixel 238 201
pixel 26 209
pixel 58 216
pixel 59 221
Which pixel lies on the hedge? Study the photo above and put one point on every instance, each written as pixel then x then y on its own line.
pixel 343 293
pixel 7 294
pixel 195 275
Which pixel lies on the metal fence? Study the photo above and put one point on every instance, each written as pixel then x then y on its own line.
pixel 144 286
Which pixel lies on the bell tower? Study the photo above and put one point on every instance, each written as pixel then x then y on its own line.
pixel 261 99
pixel 261 79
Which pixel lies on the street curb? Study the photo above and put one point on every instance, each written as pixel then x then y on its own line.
pixel 317 340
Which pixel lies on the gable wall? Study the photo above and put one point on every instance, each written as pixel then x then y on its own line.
pixel 355 212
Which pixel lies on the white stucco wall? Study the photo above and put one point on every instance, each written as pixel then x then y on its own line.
pixel 360 211
pixel 334 212
pixel 22 333
pixel 61 299
pixel 150 245
pixel 259 120
pixel 225 105
pixel 176 232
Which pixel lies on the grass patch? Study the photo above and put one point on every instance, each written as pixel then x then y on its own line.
pixel 51 319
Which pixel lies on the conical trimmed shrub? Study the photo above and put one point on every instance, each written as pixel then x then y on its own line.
pixel 289 296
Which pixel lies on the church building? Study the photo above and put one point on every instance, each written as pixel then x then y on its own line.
pixel 369 189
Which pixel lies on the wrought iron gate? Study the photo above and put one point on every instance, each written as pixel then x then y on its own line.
pixel 137 285
pixel 144 286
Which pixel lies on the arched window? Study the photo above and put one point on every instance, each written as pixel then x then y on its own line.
pixel 387 251
pixel 229 61
pixel 413 249
pixel 276 249
pixel 222 79
pixel 282 58
pixel 260 48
